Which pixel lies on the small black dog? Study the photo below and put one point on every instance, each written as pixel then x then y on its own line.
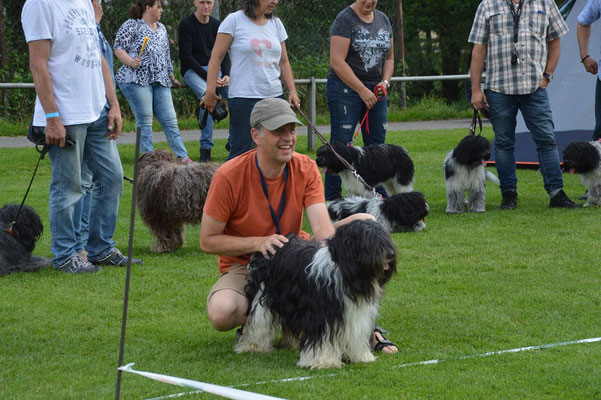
pixel 464 172
pixel 403 212
pixel 584 158
pixel 385 164
pixel 16 248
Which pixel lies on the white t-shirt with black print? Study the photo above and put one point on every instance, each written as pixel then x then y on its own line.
pixel 75 62
pixel 255 53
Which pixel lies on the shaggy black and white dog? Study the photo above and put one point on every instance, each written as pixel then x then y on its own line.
pixel 378 164
pixel 584 158
pixel 170 195
pixel 464 172
pixel 16 248
pixel 402 212
pixel 323 297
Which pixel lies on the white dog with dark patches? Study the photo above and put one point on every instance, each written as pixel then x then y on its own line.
pixel 584 158
pixel 464 172
pixel 403 212
pixel 323 297
pixel 378 164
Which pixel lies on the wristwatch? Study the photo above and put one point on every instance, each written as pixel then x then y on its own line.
pixel 549 77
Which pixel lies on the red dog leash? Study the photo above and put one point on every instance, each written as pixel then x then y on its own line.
pixel 366 116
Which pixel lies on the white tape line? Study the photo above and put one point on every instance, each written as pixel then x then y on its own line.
pixel 495 353
pixel 229 393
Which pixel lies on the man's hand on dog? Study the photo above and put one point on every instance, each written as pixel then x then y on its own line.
pixel 268 245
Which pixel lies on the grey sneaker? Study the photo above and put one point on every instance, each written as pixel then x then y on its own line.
pixel 115 258
pixel 77 265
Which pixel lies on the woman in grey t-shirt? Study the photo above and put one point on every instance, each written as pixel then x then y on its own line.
pixel 361 57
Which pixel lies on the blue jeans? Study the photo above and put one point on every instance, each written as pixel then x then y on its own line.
pixel 597 131
pixel 81 213
pixel 146 100
pixel 102 158
pixel 536 111
pixel 240 139
pixel 346 110
pixel 199 87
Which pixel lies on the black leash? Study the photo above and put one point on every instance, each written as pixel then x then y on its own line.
pixel 476 118
pixel 344 162
pixel 42 152
pixel 128 271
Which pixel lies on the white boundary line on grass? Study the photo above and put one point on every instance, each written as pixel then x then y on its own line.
pixel 427 362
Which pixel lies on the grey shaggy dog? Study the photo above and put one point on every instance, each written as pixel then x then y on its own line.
pixel 16 248
pixel 170 195
pixel 584 158
pixel 464 172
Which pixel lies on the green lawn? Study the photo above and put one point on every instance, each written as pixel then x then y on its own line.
pixel 468 284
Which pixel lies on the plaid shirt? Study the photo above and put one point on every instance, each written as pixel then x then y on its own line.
pixel 540 22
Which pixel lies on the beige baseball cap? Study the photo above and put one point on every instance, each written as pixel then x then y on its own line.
pixel 273 114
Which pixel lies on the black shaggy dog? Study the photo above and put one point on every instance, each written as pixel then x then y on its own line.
pixel 464 172
pixel 170 195
pixel 378 164
pixel 16 248
pixel 402 212
pixel 325 298
pixel 584 158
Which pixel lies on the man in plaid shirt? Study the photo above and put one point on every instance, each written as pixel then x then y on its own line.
pixel 521 41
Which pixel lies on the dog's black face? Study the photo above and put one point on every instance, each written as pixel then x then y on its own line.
pixel 472 150
pixel 364 252
pixel 28 227
pixel 405 209
pixel 580 158
pixel 325 158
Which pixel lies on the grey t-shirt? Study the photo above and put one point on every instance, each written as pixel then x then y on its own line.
pixel 370 43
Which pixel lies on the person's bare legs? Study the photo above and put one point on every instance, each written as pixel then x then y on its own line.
pixel 227 309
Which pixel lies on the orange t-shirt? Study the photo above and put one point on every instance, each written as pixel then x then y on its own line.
pixel 236 198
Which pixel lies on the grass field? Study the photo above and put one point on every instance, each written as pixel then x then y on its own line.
pixel 468 284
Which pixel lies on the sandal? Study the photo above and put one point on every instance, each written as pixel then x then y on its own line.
pixel 381 344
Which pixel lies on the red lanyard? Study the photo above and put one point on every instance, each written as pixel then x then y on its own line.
pixel 366 117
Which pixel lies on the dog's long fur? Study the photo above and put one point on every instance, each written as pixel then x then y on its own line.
pixel 16 249
pixel 584 158
pixel 402 212
pixel 378 164
pixel 324 297
pixel 170 195
pixel 464 172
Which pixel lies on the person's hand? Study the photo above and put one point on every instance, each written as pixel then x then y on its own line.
pixel 478 99
pixel 368 97
pixel 544 83
pixel 268 246
pixel 135 63
pixel 591 66
pixel 223 81
pixel 176 83
pixel 379 87
pixel 55 132
pixel 209 101
pixel 115 123
pixel 294 100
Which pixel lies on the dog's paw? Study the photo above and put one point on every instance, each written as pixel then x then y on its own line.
pixel 319 363
pixel 246 346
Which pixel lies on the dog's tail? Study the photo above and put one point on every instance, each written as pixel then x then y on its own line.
pixel 492 178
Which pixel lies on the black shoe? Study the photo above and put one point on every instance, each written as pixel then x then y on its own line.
pixel 561 200
pixel 78 265
pixel 205 155
pixel 115 258
pixel 510 200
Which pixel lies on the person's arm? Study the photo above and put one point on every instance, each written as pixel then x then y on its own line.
pixel 214 241
pixel 114 115
pixel 288 77
pixel 554 48
pixel 476 68
pixel 127 59
pixel 584 34
pixel 186 54
pixel 320 222
pixel 387 68
pixel 39 53
pixel 339 47
pixel 222 44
